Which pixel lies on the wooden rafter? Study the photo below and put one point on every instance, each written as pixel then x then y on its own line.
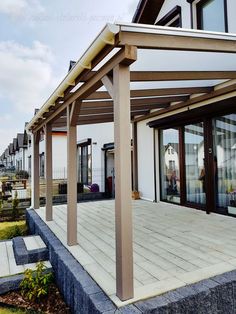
pixel 212 95
pixel 155 92
pixel 126 56
pixel 148 76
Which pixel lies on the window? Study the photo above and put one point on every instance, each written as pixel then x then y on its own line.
pixel 85 162
pixel 172 165
pixel 29 165
pixel 171 19
pixel 42 165
pixel 212 15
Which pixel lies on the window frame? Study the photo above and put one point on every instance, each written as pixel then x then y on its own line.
pixel 85 145
pixel 196 14
pixel 171 18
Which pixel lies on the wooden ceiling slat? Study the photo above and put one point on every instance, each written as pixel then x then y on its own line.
pixel 137 101
pixel 148 76
pixel 155 92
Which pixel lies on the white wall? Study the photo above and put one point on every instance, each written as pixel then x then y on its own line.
pixel 59 156
pixel 100 134
pixel 145 161
pixel 231 16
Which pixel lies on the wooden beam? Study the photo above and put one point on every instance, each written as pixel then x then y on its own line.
pixel 108 83
pixel 48 172
pixel 98 121
pixel 87 74
pixel 123 205
pixel 107 110
pixel 94 116
pixel 177 42
pixel 195 100
pixel 127 55
pixel 148 76
pixel 71 180
pixel 75 110
pixel 155 92
pixel 159 102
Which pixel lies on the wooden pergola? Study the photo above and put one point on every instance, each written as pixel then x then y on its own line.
pixel 107 63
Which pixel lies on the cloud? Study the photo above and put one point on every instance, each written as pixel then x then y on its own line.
pixel 38 51
pixel 20 8
pixel 26 74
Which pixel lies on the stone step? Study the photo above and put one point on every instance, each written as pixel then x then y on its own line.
pixel 29 249
pixel 8 266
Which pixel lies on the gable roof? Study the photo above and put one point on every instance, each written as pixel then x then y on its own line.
pixel 71 65
pixel 147 11
pixel 11 149
pixel 15 144
pixel 20 139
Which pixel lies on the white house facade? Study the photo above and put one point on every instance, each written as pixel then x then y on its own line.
pixel 203 142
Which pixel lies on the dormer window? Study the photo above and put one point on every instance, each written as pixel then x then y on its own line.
pixel 211 15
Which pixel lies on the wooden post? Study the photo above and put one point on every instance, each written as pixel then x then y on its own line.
pixel 48 162
pixel 35 187
pixel 71 177
pixel 123 203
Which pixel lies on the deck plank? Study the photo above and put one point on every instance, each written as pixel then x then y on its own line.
pixel 173 245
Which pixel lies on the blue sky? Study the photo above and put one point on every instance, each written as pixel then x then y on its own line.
pixel 38 38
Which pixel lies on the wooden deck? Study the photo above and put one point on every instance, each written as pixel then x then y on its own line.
pixel 173 245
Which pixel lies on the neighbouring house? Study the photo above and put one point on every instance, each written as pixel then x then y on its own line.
pixel 21 152
pixel 18 154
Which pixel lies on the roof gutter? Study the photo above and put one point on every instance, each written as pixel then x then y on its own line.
pixel 106 37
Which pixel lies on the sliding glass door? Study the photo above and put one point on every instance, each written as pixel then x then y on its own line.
pixel 195 163
pixel 224 135
pixel 198 164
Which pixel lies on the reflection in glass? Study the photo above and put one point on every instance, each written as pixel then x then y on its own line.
pixel 194 163
pixel 212 15
pixel 224 131
pixel 169 161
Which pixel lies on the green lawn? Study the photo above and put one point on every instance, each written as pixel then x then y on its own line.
pixel 9 230
pixel 9 311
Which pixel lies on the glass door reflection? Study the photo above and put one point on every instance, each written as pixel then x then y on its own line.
pixel 170 172
pixel 224 133
pixel 195 163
